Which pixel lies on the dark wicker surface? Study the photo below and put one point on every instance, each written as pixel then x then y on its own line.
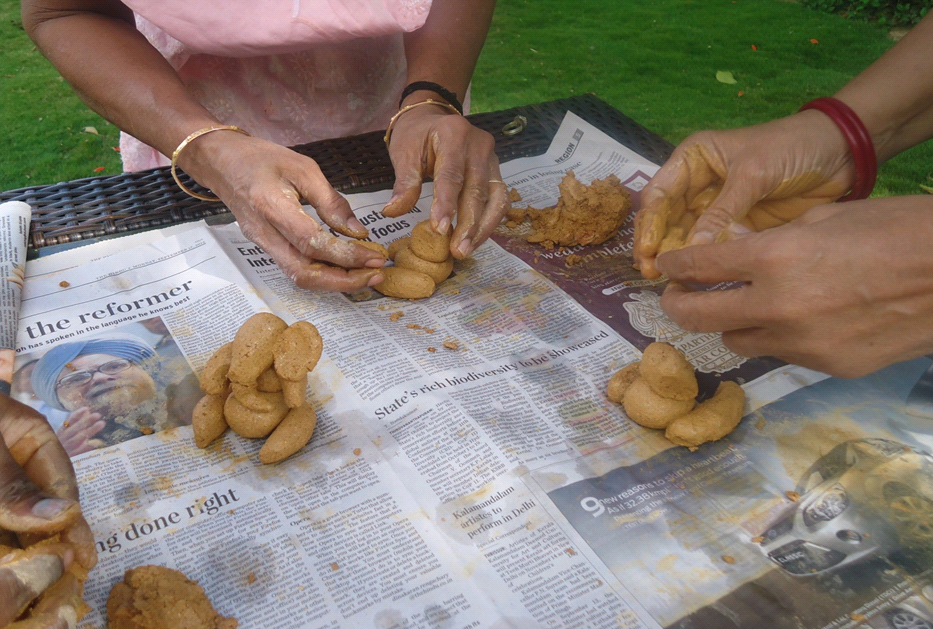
pixel 103 206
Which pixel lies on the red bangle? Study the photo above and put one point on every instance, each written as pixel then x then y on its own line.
pixel 860 144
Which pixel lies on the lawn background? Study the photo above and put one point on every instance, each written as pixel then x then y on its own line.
pixel 654 61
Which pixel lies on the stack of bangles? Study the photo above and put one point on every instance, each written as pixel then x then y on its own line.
pixel 860 144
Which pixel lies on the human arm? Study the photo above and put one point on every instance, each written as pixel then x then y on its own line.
pixel 97 49
pixel 433 141
pixel 39 503
pixel 720 183
pixel 845 289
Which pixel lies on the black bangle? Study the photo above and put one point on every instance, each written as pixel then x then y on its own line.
pixel 443 92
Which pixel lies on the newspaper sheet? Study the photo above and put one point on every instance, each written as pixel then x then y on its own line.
pixel 467 469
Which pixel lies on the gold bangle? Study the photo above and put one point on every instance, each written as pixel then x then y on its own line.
pixel 184 143
pixel 401 111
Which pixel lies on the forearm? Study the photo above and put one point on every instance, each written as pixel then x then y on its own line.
pixel 446 48
pixel 894 96
pixel 111 66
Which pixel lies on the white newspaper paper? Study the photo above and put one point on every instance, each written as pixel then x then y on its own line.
pixel 467 469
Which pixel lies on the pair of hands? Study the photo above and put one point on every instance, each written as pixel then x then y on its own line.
pixel 841 288
pixel 39 502
pixel 261 183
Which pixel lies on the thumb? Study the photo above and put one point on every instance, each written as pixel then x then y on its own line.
pixel 25 508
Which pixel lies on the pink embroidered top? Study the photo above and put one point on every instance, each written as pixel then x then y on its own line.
pixel 288 72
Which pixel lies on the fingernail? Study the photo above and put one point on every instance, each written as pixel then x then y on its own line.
pixel 355 225
pixel 375 279
pixel 701 238
pixel 465 247
pixel 443 225
pixel 50 508
pixel 376 263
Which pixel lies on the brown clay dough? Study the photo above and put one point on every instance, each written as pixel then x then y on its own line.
pixel 155 597
pixel 668 372
pixel 207 419
pixel 428 244
pixel 397 245
pixel 254 381
pixel 620 381
pixel 660 392
pixel 651 410
pixel 405 283
pixel 710 420
pixel 584 214
pixel 251 353
pixel 437 271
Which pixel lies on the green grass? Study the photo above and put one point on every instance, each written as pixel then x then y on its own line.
pixel 657 62
pixel 654 61
pixel 43 121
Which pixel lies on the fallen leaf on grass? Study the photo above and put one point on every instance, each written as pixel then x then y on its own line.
pixel 725 77
pixel 926 189
pixel 90 130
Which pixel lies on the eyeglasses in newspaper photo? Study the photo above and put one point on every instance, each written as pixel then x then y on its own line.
pixel 109 368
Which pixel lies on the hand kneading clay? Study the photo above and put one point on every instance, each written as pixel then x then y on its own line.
pixel 660 390
pixel 154 597
pixel 256 382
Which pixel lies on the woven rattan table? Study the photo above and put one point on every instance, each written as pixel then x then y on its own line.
pixel 96 207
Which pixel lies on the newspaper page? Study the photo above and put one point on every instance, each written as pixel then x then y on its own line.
pixel 467 469
pixel 14 232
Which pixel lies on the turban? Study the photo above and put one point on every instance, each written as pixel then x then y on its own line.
pixel 45 374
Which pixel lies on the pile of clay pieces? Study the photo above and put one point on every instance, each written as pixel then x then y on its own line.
pixel 660 391
pixel 422 261
pixel 257 384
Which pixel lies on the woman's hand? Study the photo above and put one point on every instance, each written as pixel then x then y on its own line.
pixel 845 289
pixel 262 182
pixel 39 501
pixel 430 141
pixel 718 184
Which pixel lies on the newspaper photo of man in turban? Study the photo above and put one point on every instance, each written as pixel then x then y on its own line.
pixel 114 388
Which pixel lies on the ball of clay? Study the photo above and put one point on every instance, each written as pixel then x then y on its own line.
pixel 254 399
pixel 668 372
pixel 428 244
pixel 649 409
pixel 297 350
pixel 397 245
pixel 213 378
pixel 710 420
pixel 251 353
pixel 290 435
pixel 155 597
pixel 252 424
pixel 621 381
pixel 437 271
pixel 207 419
pixel 405 283
pixel 268 381
pixel 295 392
